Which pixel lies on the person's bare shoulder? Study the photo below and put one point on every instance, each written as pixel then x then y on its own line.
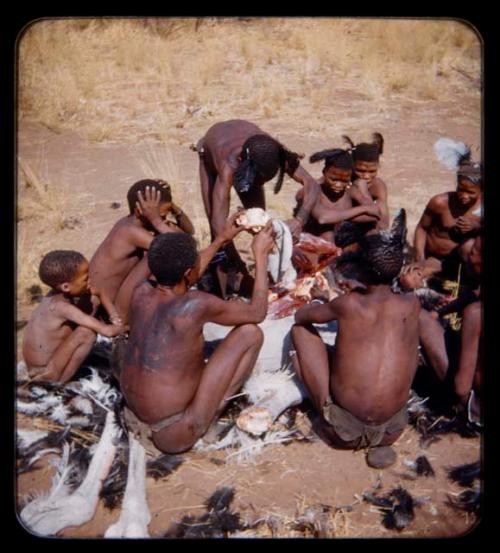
pixel 439 202
pixel 410 301
pixel 348 301
pixel 143 287
pixel 379 186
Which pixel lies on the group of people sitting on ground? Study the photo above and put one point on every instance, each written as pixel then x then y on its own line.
pixel 142 284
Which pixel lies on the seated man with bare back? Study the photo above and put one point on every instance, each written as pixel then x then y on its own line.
pixel 238 153
pixel 119 263
pixel 362 392
pixel 165 379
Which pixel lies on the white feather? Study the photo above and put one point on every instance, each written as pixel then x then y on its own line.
pixel 27 437
pixel 95 388
pixel 59 413
pixel 38 407
pixel 42 453
pixel 78 421
pixel 449 151
pixel 244 446
pixel 81 404
pixel 22 374
pixel 38 391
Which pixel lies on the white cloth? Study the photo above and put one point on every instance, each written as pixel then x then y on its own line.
pixel 279 262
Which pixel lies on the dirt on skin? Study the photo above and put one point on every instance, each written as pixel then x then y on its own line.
pixel 283 480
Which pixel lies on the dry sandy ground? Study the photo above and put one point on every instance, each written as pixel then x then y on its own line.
pixel 283 480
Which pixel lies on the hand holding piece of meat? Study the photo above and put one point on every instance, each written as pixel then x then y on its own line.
pixel 263 242
pixel 231 228
pixel 253 219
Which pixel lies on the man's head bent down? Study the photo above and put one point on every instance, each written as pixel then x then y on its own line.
pixel 171 256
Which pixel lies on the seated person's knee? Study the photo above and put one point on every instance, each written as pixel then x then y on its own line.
pixel 86 335
pixel 252 332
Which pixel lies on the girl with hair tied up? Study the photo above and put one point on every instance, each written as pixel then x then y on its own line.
pixel 366 158
pixel 338 201
pixel 239 154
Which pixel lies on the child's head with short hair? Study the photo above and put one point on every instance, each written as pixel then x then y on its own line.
pixel 66 271
pixel 351 271
pixel 337 169
pixel 347 233
pixel 366 156
pixel 154 184
pixel 262 157
pixel 171 256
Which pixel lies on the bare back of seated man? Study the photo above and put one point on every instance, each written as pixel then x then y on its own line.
pixel 165 378
pixel 362 389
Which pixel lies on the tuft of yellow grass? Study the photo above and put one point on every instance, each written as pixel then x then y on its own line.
pixel 45 202
pixel 89 75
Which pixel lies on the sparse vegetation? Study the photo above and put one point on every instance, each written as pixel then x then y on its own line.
pixel 84 74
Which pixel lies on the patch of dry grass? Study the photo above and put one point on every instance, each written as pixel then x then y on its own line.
pixel 43 209
pixel 90 75
pixel 44 202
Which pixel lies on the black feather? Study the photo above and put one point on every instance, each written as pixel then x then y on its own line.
pixel 401 514
pixel 468 500
pixel 220 499
pixel 465 475
pixel 53 439
pixel 163 466
pixel 396 507
pixel 373 499
pixel 423 466
pixel 113 487
pixel 430 425
pixel 217 522
pixel 79 459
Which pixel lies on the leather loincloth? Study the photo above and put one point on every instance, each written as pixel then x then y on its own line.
pixel 349 428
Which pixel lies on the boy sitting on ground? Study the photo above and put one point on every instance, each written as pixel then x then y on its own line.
pixel 59 334
pixel 119 264
pixel 362 392
pixel 165 379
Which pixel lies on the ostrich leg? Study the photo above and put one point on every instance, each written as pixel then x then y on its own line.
pixel 59 509
pixel 135 516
